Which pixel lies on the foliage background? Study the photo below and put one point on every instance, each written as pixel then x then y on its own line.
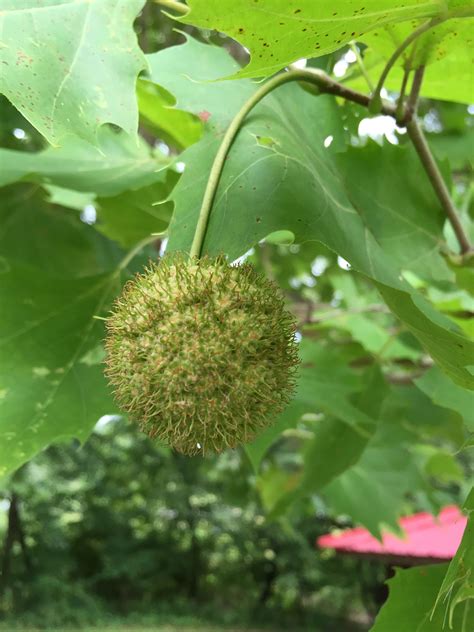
pixel 324 197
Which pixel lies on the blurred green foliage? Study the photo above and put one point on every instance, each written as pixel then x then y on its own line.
pixel 120 527
pixel 123 532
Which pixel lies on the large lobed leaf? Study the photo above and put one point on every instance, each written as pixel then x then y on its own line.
pixel 366 471
pixel 49 237
pixel 374 490
pixel 51 376
pixel 325 384
pixel 118 163
pixel 456 593
pixel 278 32
pixel 280 150
pixel 446 394
pixel 446 51
pixel 408 226
pixel 337 442
pixel 56 274
pixel 71 65
pixel 409 606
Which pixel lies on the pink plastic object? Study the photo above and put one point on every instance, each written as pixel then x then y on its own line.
pixel 428 538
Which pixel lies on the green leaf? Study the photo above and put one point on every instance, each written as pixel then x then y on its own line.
pixel 417 412
pixel 69 198
pixel 118 163
pixel 336 445
pixel 289 418
pixel 258 187
pixel 173 126
pixel 444 467
pixel 325 384
pixel 373 336
pixel 456 147
pixel 452 351
pixel 373 491
pixel 395 200
pixel 396 461
pixel 71 66
pixel 278 32
pixel 56 274
pixel 50 238
pixel 273 484
pixel 457 588
pixel 133 215
pixel 444 393
pixel 52 386
pixel 412 592
pixel 446 51
pixel 188 72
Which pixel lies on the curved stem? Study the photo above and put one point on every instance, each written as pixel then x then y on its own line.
pixel 175 6
pixel 329 86
pixel 313 76
pixel 228 139
pixel 465 12
pixel 401 110
pixel 134 251
pixel 399 115
pixel 419 142
pixel 414 35
pixel 412 103
pixel 361 64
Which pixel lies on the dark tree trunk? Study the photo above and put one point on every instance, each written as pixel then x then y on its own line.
pixel 271 573
pixel 14 533
pixel 195 570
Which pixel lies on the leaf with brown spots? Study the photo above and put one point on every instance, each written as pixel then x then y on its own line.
pixel 278 32
pixel 70 66
pixel 447 52
pixel 260 180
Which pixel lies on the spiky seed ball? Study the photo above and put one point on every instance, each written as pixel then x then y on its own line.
pixel 202 355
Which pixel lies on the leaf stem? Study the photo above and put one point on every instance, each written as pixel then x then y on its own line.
pixel 228 139
pixel 412 103
pixel 329 86
pixel 175 6
pixel 313 76
pixel 361 64
pixel 464 12
pixel 134 251
pixel 400 113
pixel 414 35
pixel 421 146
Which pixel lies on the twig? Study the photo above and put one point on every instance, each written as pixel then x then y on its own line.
pixel 412 103
pixel 330 86
pixel 401 99
pixel 400 113
pixel 175 6
pixel 14 533
pixel 360 63
pixel 339 313
pixel 419 141
pixel 464 12
pixel 310 75
pixel 414 35
pixel 403 379
pixel 131 254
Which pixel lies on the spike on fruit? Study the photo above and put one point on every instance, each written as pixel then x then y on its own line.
pixel 202 355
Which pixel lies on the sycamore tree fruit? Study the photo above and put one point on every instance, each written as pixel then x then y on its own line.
pixel 202 355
